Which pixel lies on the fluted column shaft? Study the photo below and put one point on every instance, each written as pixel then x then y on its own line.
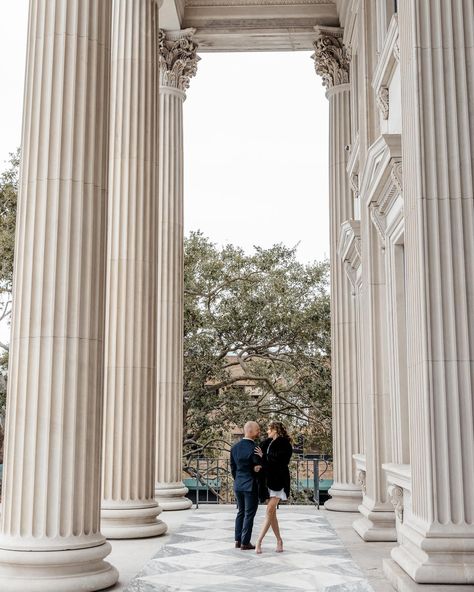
pixel 177 63
pixel 51 487
pixel 437 73
pixel 332 63
pixel 377 522
pixel 345 492
pixel 129 508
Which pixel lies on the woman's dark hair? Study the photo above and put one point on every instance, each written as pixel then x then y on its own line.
pixel 280 429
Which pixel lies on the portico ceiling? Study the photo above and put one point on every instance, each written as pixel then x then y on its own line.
pixel 250 25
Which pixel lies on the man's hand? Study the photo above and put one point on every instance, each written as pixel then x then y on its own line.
pixel 257 468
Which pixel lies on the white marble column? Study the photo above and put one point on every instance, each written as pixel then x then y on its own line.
pixel 437 74
pixel 332 63
pixel 50 537
pixel 178 63
pixel 129 508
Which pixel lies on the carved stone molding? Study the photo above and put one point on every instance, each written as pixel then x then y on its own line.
pixel 331 57
pixel 396 176
pixel 383 100
pixel 395 493
pixel 362 481
pixel 379 222
pixel 354 182
pixel 387 64
pixel 396 50
pixel 349 250
pixel 386 199
pixel 178 58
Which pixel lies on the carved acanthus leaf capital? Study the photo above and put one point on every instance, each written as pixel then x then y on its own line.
pixel 177 58
pixel 331 57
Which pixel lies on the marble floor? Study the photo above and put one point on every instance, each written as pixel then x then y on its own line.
pixel 200 556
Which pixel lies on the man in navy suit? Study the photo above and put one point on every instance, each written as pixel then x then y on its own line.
pixel 245 464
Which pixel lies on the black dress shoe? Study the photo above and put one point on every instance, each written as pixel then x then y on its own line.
pixel 248 547
pixel 237 544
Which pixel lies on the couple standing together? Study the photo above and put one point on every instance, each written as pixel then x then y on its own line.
pixel 260 473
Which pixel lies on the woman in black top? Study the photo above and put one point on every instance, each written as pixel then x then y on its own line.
pixel 275 453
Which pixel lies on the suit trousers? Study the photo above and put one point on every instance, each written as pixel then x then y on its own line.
pixel 247 505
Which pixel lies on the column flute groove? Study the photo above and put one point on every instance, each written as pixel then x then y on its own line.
pixel 129 508
pixel 50 536
pixel 178 63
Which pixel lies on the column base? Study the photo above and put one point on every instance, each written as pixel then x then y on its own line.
pixel 77 570
pixel 344 498
pixel 441 559
pixel 172 496
pixel 122 521
pixel 375 525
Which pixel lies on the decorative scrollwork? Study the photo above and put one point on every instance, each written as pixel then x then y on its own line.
pixel 331 57
pixel 396 497
pixel 177 58
pixel 354 183
pixel 383 101
pixel 361 480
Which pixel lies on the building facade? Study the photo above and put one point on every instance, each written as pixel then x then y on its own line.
pixel 93 432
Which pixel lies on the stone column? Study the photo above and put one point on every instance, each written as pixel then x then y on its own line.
pixel 178 63
pixel 437 74
pixel 50 537
pixel 332 63
pixel 129 508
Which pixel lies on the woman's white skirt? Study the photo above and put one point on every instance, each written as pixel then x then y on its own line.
pixel 280 494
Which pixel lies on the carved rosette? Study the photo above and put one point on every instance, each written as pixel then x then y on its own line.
pixel 331 57
pixel 177 58
pixel 395 493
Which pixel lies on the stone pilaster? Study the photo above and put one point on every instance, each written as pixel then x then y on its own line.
pixel 50 537
pixel 129 508
pixel 437 74
pixel 178 63
pixel 332 63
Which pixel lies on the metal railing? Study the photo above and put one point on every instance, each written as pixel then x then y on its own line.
pixel 210 480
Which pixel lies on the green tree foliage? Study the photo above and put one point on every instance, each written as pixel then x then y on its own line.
pixel 9 180
pixel 260 319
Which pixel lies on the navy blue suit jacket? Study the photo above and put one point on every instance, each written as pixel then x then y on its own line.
pixel 242 461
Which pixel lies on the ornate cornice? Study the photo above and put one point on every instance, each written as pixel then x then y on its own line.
pixel 331 57
pixel 177 58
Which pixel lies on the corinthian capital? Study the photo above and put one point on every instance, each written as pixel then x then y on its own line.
pixel 177 57
pixel 331 57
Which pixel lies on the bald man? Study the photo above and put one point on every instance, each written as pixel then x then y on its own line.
pixel 244 465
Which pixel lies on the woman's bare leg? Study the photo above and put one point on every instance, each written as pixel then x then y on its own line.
pixel 276 530
pixel 269 517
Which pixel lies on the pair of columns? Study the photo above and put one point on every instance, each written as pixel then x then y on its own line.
pixel 98 274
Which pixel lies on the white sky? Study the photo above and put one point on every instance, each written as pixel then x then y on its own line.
pixel 255 138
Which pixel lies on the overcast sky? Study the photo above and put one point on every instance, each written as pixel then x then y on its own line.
pixel 256 142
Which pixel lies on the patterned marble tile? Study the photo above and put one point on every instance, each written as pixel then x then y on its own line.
pixel 201 557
